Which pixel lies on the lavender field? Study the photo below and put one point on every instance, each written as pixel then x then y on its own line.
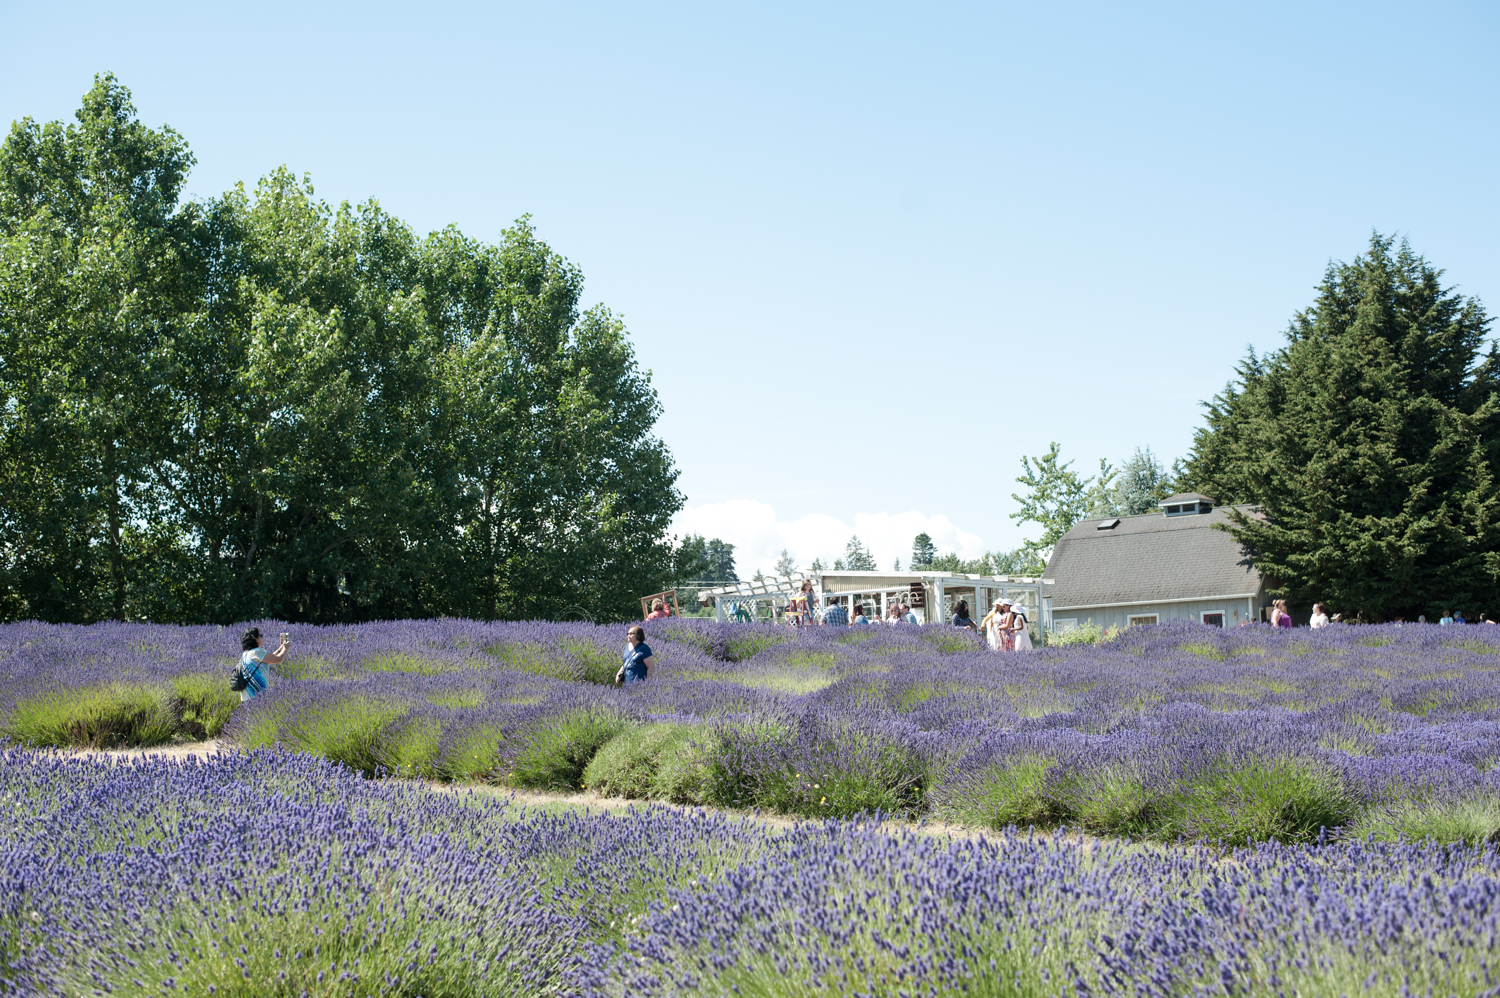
pixel 280 874
pixel 1166 733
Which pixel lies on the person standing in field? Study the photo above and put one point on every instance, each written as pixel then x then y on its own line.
pixel 908 615
pixel 638 657
pixel 1320 616
pixel 808 599
pixel 859 614
pixel 1020 629
pixel 659 609
pixel 253 661
pixel 961 615
pixel 996 634
pixel 1279 615
pixel 834 615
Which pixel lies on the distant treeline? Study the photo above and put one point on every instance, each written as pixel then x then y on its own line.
pixel 258 405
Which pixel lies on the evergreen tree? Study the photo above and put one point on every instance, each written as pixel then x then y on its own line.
pixel 720 562
pixel 784 564
pixel 1368 443
pixel 922 552
pixel 857 558
pixel 1142 483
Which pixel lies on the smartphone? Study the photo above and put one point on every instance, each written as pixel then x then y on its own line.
pixel 285 637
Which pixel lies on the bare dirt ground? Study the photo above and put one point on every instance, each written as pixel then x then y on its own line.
pixel 582 799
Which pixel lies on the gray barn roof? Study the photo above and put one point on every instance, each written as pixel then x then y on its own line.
pixel 1149 558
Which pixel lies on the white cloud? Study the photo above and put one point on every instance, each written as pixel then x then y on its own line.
pixel 758 535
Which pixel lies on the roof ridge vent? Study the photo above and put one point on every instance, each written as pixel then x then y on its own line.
pixel 1186 503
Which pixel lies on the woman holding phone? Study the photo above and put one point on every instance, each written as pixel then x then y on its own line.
pixel 253 660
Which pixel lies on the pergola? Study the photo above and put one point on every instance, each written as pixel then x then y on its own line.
pixel 936 592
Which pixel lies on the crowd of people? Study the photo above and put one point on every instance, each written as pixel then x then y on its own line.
pixel 1282 617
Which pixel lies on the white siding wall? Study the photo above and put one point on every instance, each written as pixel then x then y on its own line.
pixel 1119 616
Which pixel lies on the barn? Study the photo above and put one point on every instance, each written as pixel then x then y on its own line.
pixel 1170 565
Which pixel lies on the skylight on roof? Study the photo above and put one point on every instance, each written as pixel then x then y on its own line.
pixel 1108 524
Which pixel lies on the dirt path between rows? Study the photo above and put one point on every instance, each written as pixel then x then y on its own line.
pixel 582 798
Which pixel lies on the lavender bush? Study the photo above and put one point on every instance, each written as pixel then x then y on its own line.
pixel 1176 731
pixel 279 874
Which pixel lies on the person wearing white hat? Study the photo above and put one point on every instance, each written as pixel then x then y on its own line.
pixel 1020 629
pixel 994 628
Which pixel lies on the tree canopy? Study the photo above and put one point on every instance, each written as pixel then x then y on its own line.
pixel 1368 443
pixel 260 405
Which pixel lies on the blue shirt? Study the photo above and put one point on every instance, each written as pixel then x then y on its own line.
pixel 836 614
pixel 635 662
pixel 251 661
pixel 911 617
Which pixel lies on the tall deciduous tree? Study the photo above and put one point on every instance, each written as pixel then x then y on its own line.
pixel 1057 497
pixel 91 289
pixel 1369 443
pixel 263 405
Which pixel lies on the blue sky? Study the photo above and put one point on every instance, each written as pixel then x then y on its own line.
pixel 871 253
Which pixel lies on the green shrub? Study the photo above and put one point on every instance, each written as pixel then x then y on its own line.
pixel 729 780
pixel 889 780
pixel 351 731
pixel 539 660
pixel 597 664
pixel 554 753
pixel 459 699
pixel 1258 800
pixel 1474 820
pixel 102 717
pixel 741 647
pixel 475 755
pixel 1012 792
pixel 949 640
pixel 412 748
pixel 308 667
pixel 203 703
pixel 1113 801
pixel 407 663
pixel 632 763
pixel 1089 634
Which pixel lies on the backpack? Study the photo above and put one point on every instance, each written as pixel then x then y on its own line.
pixel 239 678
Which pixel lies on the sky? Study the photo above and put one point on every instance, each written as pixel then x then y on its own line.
pixel 872 254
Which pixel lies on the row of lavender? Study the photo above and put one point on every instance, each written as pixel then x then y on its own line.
pixel 1173 731
pixel 280 874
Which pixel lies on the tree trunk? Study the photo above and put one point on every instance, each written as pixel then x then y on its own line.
pixel 116 555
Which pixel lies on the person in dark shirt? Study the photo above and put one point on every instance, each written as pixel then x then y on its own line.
pixel 961 615
pixel 638 658
pixel 835 615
